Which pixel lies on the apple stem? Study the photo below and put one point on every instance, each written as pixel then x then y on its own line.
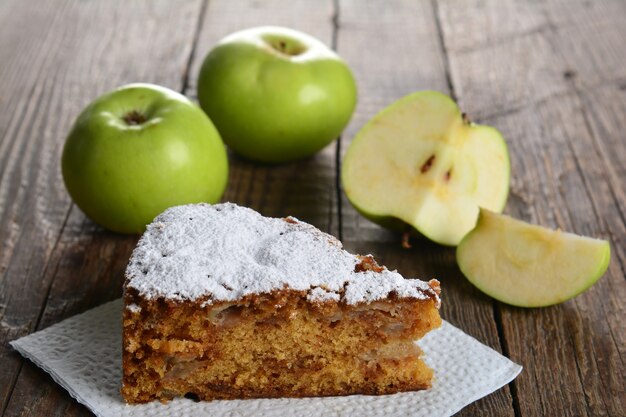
pixel 289 46
pixel 406 235
pixel 133 118
pixel 466 118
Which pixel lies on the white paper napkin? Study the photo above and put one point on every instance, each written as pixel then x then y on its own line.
pixel 83 355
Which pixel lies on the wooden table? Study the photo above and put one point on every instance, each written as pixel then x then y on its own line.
pixel 550 75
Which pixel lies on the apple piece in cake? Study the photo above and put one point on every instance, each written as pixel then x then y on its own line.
pixel 223 303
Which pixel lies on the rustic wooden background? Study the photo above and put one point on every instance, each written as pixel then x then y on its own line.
pixel 551 75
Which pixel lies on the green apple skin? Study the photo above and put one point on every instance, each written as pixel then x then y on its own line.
pixel 138 150
pixel 276 94
pixel 381 174
pixel 527 265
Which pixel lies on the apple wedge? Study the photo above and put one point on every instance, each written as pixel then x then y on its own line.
pixel 529 266
pixel 420 163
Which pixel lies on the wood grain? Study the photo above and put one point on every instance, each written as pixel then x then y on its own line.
pixel 304 189
pixel 550 75
pixel 566 157
pixel 395 51
pixel 54 262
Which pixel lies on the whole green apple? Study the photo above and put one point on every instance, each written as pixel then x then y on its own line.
pixel 138 150
pixel 276 94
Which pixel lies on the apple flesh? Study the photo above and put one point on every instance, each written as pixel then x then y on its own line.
pixel 276 94
pixel 420 164
pixel 527 265
pixel 138 150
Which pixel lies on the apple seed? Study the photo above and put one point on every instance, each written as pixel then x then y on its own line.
pixel 428 164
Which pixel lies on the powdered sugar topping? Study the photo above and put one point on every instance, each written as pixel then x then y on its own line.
pixel 319 294
pixel 224 252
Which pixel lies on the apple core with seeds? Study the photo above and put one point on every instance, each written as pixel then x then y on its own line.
pixel 420 164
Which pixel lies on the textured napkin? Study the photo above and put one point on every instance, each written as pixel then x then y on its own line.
pixel 83 354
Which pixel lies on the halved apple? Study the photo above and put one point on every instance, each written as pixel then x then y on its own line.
pixel 419 162
pixel 527 265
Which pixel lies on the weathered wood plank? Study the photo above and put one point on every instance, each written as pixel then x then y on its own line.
pixel 395 50
pixel 500 23
pixel 57 58
pixel 562 122
pixel 304 189
pixel 551 191
pixel 604 110
pixel 589 38
pixel 550 75
pixel 482 76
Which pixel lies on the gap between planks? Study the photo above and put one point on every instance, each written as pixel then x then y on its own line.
pixel 496 311
pixel 335 19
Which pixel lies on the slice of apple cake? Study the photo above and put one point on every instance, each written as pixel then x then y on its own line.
pixel 221 303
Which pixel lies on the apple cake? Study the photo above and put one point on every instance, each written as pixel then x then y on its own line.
pixel 223 303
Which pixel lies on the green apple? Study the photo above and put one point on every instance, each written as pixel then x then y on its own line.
pixel 527 265
pixel 276 94
pixel 420 164
pixel 138 150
